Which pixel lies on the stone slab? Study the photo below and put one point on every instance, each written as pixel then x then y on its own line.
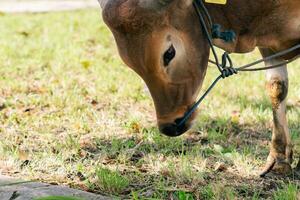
pixel 15 189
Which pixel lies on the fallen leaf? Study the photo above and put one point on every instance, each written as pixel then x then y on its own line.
pixel 23 155
pixel 220 167
pixel 235 117
pixel 87 142
pixel 85 64
pixel 218 148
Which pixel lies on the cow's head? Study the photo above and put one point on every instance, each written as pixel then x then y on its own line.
pixel 162 41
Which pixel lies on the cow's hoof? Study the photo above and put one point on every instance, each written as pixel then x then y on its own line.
pixel 277 167
pixel 282 168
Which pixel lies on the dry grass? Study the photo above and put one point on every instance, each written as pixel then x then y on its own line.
pixel 72 113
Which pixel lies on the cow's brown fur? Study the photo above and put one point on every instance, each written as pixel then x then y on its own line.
pixel 143 35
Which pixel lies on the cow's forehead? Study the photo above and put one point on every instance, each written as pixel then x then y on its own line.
pixel 130 17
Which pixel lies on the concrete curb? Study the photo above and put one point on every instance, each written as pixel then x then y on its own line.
pixel 15 189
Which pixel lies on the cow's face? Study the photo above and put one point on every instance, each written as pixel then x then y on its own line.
pixel 161 41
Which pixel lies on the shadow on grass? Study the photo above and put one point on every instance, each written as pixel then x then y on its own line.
pixel 161 184
pixel 248 141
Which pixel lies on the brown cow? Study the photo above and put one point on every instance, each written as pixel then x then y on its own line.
pixel 162 41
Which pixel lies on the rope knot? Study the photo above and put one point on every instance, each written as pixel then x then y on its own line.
pixel 228 71
pixel 225 70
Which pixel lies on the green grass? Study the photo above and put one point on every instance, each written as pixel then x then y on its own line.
pixel 72 113
pixel 289 192
pixel 109 181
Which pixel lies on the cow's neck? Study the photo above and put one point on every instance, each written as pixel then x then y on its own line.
pixel 254 22
pixel 240 14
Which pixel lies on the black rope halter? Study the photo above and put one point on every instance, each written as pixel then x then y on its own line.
pixel 226 66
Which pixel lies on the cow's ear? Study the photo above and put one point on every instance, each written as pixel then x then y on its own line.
pixel 155 4
pixel 185 3
pixel 102 3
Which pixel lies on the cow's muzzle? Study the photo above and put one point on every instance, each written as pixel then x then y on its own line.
pixel 173 129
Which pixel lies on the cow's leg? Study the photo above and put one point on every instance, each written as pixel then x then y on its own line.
pixel 280 157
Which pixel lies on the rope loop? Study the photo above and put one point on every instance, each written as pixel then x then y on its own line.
pixel 227 70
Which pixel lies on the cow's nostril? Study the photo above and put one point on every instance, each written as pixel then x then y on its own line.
pixel 178 120
pixel 181 126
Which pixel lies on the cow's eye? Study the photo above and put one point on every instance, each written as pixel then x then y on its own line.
pixel 169 55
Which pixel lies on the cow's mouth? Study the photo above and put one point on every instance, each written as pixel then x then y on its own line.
pixel 177 128
pixel 173 130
